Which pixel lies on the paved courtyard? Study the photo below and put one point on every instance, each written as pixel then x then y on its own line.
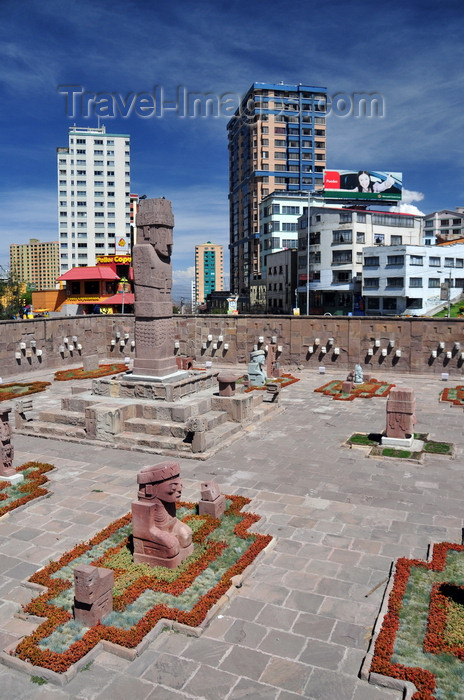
pixel 300 625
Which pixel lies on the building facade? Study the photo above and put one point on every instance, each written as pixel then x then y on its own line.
pixel 35 263
pixel 209 270
pixel 281 282
pixel 411 279
pixel 330 268
pixel 443 225
pixel 93 195
pixel 277 141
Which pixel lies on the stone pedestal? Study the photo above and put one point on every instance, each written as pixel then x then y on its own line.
pixel 227 384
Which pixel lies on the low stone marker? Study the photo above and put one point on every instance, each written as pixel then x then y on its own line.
pixel 90 363
pixel 212 501
pixel 93 598
pixel 7 473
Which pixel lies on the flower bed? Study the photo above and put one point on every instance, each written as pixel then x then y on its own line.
pixel 368 390
pixel 16 390
pixel 422 634
pixel 142 595
pixel 284 380
pixel 79 373
pixel 14 495
pixel 454 395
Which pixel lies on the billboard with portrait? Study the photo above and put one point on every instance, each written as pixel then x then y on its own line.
pixel 363 184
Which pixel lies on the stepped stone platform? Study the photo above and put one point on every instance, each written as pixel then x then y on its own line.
pixel 135 415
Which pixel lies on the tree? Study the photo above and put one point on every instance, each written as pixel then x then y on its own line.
pixel 13 295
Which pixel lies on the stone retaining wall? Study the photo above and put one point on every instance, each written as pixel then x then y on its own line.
pixel 403 344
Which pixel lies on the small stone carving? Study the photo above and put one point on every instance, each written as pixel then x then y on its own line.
pixel 256 372
pixel 21 407
pixel 93 598
pixel 6 447
pixel 347 386
pixel 358 377
pixel 212 501
pixel 160 538
pixel 401 419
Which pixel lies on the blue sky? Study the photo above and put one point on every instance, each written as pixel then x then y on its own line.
pixel 411 53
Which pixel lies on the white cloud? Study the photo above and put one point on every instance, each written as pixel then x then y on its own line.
pixel 411 196
pixel 404 208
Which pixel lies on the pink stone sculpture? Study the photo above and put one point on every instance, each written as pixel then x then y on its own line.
pixel 347 386
pixel 93 597
pixel 212 501
pixel 160 538
pixel 151 256
pixel 226 384
pixel 6 448
pixel 401 406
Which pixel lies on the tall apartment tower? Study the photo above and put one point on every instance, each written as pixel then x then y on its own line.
pixel 93 195
pixel 277 142
pixel 209 270
pixel 35 263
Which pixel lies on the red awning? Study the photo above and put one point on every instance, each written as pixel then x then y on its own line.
pixel 98 272
pixel 127 298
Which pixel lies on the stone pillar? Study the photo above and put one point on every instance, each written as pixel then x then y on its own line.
pixel 226 384
pixel 401 406
pixel 6 447
pixel 93 598
pixel 154 326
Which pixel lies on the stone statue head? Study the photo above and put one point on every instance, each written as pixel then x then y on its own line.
pixel 258 356
pixel 160 481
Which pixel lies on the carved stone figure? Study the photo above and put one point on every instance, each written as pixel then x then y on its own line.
pixel 212 501
pixel 256 372
pixel 6 448
pixel 93 598
pixel 401 419
pixel 358 374
pixel 160 538
pixel 151 256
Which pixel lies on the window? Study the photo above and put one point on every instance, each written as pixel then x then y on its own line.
pixel 80 140
pixel 98 153
pixel 459 262
pixel 434 262
pixel 434 282
pixel 459 282
pixel 415 281
pixel 373 303
pixel 342 236
pixel 393 220
pixel 80 150
pixel 395 281
pixel 291 210
pixel 359 258
pixel 416 260
pixel 389 304
pixel 279 155
pixel 361 218
pixel 371 282
pixel 279 143
pixel 360 237
pixel 396 240
pixel 99 142
pixel 449 262
pixel 345 217
pixel 371 261
pixel 286 226
pixel 341 256
pixel 341 276
pixel 395 259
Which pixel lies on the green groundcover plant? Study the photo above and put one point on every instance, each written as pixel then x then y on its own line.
pixel 142 595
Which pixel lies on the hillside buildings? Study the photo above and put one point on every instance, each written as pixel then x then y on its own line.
pixel 93 195
pixel 35 263
pixel 444 225
pixel 411 279
pixel 209 270
pixel 330 268
pixel 277 142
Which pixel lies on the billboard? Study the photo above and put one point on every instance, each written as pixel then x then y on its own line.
pixel 122 245
pixel 363 184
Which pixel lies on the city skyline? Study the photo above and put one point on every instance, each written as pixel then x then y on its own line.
pixel 408 55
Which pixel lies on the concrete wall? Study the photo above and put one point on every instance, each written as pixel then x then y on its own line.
pixel 416 338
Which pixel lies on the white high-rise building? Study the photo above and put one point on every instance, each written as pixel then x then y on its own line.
pixel 93 195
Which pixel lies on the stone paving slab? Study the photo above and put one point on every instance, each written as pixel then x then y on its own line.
pixel 300 625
